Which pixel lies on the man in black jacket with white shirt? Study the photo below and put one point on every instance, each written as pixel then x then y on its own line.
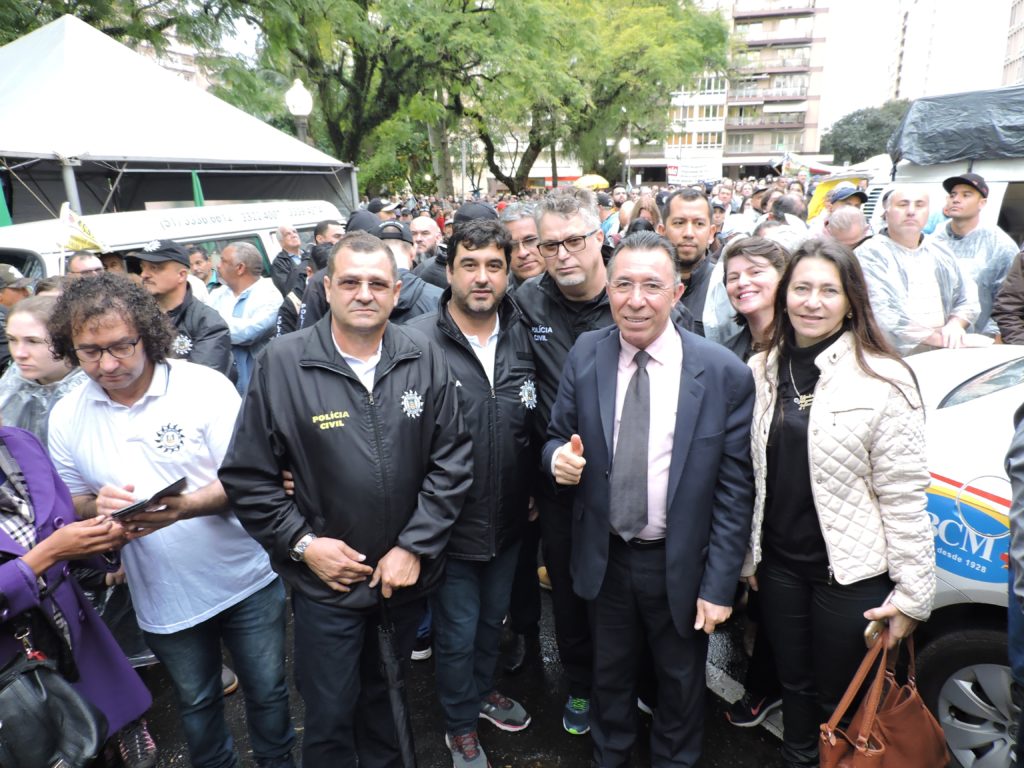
pixel 366 416
pixel 488 348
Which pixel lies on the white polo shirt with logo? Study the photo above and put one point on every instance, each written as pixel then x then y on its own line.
pixel 194 569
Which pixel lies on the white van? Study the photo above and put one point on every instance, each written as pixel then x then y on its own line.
pixel 38 249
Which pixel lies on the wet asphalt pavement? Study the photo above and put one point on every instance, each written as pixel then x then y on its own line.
pixel 543 744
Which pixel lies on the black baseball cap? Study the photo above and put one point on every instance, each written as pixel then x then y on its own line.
pixel 362 221
pixel 156 251
pixel 394 230
pixel 471 211
pixel 970 179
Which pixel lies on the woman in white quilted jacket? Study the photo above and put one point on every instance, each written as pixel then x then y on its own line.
pixel 840 534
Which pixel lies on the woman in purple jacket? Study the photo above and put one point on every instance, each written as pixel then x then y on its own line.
pixel 38 536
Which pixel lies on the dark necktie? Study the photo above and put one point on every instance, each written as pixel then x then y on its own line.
pixel 629 466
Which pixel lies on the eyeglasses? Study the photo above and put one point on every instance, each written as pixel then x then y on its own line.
pixel 649 289
pixel 573 244
pixel 350 285
pixel 529 243
pixel 121 351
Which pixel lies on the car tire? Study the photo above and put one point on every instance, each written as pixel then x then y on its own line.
pixel 964 678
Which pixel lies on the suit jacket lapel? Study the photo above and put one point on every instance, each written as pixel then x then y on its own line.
pixel 691 395
pixel 607 379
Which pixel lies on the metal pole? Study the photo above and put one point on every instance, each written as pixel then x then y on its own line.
pixel 67 173
pixel 302 128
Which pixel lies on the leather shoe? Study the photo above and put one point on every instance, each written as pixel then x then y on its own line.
pixel 524 649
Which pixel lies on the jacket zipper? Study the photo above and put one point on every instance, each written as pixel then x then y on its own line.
pixel 492 474
pixel 492 408
pixel 383 467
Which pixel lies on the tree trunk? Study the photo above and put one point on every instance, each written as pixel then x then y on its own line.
pixel 554 164
pixel 440 162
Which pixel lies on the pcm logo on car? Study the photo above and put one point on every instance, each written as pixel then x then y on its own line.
pixel 971 527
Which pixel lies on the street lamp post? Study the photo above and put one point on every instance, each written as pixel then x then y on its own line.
pixel 300 103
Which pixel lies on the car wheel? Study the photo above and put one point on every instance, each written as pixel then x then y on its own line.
pixel 964 678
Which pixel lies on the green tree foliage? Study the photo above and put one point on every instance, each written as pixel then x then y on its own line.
pixel 199 22
pixel 648 51
pixel 864 133
pixel 520 75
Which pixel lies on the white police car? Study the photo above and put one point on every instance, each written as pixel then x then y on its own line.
pixel 970 397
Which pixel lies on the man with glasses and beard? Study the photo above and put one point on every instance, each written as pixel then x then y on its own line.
pixel 557 306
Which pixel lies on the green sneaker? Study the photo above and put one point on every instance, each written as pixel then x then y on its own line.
pixel 576 716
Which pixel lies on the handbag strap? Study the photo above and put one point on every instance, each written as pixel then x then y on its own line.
pixel 874 694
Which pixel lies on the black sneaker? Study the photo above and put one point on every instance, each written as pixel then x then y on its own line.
pixel 525 650
pixel 749 711
pixel 423 648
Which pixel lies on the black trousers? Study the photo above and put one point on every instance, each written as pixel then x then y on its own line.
pixel 524 605
pixel 816 629
pixel 349 722
pixel 631 621
pixel 572 625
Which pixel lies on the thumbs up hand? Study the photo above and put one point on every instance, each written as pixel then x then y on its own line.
pixel 569 462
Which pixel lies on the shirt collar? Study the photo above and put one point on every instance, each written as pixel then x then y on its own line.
pixel 659 349
pixel 490 339
pixel 157 386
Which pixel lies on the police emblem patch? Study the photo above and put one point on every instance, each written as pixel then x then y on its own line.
pixel 528 394
pixel 152 245
pixel 182 346
pixel 412 404
pixel 170 438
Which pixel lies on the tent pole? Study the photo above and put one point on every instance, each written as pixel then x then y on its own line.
pixel 67 172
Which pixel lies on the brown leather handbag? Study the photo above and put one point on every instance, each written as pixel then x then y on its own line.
pixel 892 728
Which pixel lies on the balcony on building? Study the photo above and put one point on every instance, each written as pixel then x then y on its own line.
pixel 779 32
pixel 768 61
pixel 758 95
pixel 766 9
pixel 764 143
pixel 770 116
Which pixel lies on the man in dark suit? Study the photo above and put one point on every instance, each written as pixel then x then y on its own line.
pixel 658 533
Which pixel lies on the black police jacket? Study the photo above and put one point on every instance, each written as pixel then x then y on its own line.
pixel 373 469
pixel 499 418
pixel 203 336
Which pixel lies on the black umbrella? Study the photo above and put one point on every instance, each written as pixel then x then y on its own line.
pixel 391 667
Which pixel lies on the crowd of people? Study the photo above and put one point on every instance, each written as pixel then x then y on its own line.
pixel 683 399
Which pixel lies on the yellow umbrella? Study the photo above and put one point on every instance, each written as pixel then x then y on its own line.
pixel 591 181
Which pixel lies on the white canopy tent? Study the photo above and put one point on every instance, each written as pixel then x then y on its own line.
pixel 81 114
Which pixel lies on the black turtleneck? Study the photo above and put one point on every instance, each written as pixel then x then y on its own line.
pixel 792 531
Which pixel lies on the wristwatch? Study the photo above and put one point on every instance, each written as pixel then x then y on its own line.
pixel 298 550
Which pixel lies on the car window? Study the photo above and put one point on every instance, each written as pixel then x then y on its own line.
pixel 214 247
pixel 1000 377
pixel 27 262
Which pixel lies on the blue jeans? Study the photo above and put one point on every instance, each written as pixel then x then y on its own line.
pixel 468 609
pixel 253 631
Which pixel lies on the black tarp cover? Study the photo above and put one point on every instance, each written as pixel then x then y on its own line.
pixel 962 126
